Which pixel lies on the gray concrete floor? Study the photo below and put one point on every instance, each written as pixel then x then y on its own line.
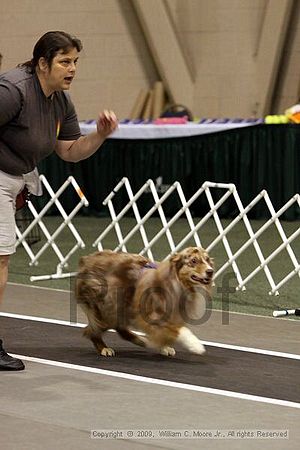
pixel 46 406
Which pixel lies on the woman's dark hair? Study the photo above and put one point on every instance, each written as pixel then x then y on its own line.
pixel 49 45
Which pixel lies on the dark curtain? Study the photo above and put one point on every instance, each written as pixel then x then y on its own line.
pixel 253 158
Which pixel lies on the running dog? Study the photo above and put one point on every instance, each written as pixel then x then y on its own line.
pixel 128 293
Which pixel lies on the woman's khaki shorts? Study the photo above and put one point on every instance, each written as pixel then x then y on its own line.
pixel 10 186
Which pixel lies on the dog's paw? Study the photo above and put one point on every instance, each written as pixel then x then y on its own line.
pixel 144 342
pixel 107 351
pixel 167 351
pixel 198 349
pixel 189 341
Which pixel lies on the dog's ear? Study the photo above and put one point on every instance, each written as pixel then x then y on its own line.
pixel 174 257
pixel 177 259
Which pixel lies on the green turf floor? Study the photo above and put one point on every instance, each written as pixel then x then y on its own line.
pixel 255 299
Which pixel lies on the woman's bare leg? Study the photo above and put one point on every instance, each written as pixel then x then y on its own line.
pixel 4 262
pixel 7 362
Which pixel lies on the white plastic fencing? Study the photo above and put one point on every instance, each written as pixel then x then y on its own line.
pixel 205 189
pixel 195 227
pixel 52 240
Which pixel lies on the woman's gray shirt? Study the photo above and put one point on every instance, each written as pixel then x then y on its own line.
pixel 31 123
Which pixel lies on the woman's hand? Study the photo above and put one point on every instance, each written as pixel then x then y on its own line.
pixel 85 146
pixel 107 123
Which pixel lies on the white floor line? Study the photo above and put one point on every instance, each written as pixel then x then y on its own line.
pixel 43 319
pixel 252 350
pixel 209 343
pixel 172 384
pixel 37 287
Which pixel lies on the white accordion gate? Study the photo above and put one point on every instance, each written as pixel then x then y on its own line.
pixel 52 240
pixel 192 237
pixel 229 190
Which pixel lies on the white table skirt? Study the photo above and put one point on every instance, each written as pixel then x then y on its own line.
pixel 151 131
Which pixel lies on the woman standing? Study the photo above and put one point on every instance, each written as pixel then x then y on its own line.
pixel 37 117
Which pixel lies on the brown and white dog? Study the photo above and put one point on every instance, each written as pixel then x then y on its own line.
pixel 125 292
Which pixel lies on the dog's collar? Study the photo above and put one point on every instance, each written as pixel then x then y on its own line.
pixel 150 265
